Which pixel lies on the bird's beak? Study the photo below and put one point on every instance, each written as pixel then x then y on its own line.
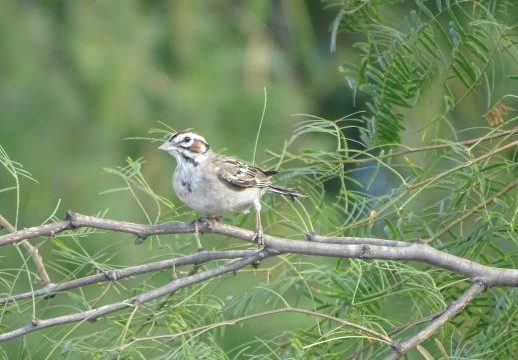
pixel 166 146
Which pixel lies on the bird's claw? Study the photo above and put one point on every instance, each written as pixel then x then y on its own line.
pixel 208 221
pixel 259 237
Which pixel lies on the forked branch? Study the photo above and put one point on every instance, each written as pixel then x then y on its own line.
pixel 482 276
pixel 452 310
pixel 135 301
pixel 345 247
pixel 36 257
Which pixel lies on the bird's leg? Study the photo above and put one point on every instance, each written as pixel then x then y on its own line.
pixel 209 222
pixel 258 236
pixel 197 235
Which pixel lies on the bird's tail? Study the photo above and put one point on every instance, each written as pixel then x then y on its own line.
pixel 291 192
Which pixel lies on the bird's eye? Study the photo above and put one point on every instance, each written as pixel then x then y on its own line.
pixel 187 139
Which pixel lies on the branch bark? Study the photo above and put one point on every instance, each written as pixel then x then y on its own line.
pixel 482 276
pixel 454 308
pixel 136 301
pixel 36 257
pixel 114 275
pixel 346 247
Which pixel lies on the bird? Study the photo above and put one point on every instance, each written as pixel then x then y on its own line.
pixel 214 184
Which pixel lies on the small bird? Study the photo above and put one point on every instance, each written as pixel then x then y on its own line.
pixel 215 184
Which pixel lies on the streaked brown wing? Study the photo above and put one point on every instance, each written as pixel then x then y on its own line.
pixel 239 173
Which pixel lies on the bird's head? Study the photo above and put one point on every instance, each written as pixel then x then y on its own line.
pixel 186 146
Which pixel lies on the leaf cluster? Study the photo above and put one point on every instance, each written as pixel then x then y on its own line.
pixel 455 46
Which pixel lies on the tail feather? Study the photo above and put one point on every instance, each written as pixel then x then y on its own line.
pixel 270 172
pixel 291 192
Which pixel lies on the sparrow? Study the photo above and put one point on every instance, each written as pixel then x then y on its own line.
pixel 216 185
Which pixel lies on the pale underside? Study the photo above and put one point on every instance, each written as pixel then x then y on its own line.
pixel 229 189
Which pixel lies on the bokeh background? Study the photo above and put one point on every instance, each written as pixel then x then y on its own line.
pixel 77 78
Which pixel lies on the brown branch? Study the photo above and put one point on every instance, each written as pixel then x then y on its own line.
pixel 346 247
pixel 136 301
pixel 353 247
pixel 114 275
pixel 452 310
pixel 36 257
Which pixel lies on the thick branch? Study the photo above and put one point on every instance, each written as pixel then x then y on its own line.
pixel 45 230
pixel 454 308
pixel 114 275
pixel 137 300
pixel 346 247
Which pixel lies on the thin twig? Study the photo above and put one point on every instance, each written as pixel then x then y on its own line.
pixel 461 166
pixel 355 160
pixel 392 332
pixel 417 184
pixel 36 257
pixel 441 146
pixel 476 288
pixel 468 213
pixel 344 323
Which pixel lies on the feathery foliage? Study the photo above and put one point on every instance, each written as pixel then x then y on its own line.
pixel 458 44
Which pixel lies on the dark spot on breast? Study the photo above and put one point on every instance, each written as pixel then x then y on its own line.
pixel 187 185
pixel 190 159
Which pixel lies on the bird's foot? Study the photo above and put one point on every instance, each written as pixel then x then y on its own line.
pixel 212 221
pixel 259 237
pixel 208 221
pixel 205 222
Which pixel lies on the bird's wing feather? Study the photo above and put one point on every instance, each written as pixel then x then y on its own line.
pixel 238 173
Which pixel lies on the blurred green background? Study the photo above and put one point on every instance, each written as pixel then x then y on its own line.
pixel 78 77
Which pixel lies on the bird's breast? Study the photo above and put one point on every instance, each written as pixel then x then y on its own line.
pixel 207 194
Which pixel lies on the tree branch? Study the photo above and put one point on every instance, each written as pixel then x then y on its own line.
pixel 345 247
pixel 452 310
pixel 114 275
pixel 36 257
pixel 136 301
